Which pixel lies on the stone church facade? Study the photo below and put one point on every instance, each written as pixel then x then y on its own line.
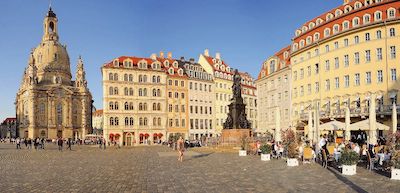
pixel 49 103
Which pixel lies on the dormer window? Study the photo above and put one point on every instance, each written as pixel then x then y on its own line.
pixel 166 63
pixel 378 16
pixel 367 19
pixel 316 37
pixel 338 12
pixel 116 63
pixel 180 72
pixel 356 22
pixel 329 16
pixel 357 5
pixel 327 32
pixel 391 13
pixel 175 64
pixel 171 71
pixel 319 21
pixel 336 28
pixel 345 25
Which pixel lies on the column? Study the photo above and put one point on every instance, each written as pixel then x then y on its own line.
pixel 84 115
pixel 372 120
pixel 347 126
pixel 310 133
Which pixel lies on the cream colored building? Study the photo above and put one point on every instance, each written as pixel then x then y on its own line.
pixel 48 103
pixel 222 75
pixel 345 58
pixel 273 86
pixel 201 101
pixel 98 122
pixel 134 100
pixel 249 93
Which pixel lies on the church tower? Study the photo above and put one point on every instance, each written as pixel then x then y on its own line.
pixel 49 103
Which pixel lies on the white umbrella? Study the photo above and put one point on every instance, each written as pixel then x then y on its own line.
pixel 372 121
pixel 347 124
pixel 310 132
pixel 278 125
pixel 394 118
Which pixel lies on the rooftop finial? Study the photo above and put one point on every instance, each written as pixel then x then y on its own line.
pixel 49 4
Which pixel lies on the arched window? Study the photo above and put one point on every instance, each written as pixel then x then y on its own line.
pixel 329 16
pixel 318 21
pixel 126 92
pixel 110 76
pixel 131 106
pixel 145 121
pixel 327 32
pixel 111 121
pixel 126 106
pixel 111 91
pixel 115 90
pixel 391 12
pixel 159 121
pixel 154 106
pixel 130 91
pixel 140 92
pixel 347 8
pixel 116 106
pixel 126 121
pixel 308 40
pixel 301 43
pixel 356 21
pixel 130 78
pixel 159 92
pixel 131 121
pixel 378 16
pixel 338 12
pixel 357 5
pixel 145 78
pixel 59 110
pixel 154 121
pixel 125 77
pixel 154 79
pixel 145 92
pixel 140 106
pixel 115 76
pixel 336 28
pixel 145 106
pixel 158 79
pixel 154 92
pixel 345 25
pixel 116 63
pixel 116 121
pixel 159 106
pixel 367 19
pixel 141 121
pixel 140 78
pixel 111 106
pixel 316 37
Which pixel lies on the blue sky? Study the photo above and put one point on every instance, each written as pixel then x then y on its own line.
pixel 245 32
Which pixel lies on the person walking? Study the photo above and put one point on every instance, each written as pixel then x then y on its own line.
pixel 26 142
pixel 42 141
pixel 104 143
pixel 69 144
pixel 100 141
pixel 181 148
pixel 18 142
pixel 30 143
pixel 60 144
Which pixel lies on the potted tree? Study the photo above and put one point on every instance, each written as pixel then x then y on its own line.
pixel 266 152
pixel 293 154
pixel 243 146
pixel 395 162
pixel 349 160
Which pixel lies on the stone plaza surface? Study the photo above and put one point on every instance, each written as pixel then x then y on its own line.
pixel 156 169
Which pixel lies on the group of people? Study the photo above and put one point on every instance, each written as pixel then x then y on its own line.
pixel 38 143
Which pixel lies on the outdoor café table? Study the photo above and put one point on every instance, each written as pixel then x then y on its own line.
pixel 383 157
pixel 337 155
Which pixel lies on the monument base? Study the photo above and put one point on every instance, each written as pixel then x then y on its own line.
pixel 234 136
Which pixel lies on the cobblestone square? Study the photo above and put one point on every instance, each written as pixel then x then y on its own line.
pixel 156 169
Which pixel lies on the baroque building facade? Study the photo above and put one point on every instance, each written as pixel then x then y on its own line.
pixel 249 93
pixel 49 103
pixel 274 92
pixel 345 60
pixel 201 101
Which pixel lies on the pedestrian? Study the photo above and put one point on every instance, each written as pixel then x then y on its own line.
pixel 100 141
pixel 42 141
pixel 69 144
pixel 26 142
pixel 104 143
pixel 181 148
pixel 60 144
pixel 30 143
pixel 18 142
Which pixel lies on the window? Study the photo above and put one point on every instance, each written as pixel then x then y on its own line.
pixel 379 53
pixel 392 32
pixel 379 34
pixel 336 63
pixel 301 73
pixel 367 37
pixel 316 51
pixel 301 91
pixel 316 68
pixel 308 88
pixel 327 32
pixel 346 60
pixel 357 79
pixel 327 65
pixel 316 87
pixel 295 75
pixel 346 42
pixel 309 70
pixel 392 52
pixel 380 76
pixel 368 77
pixel 391 13
pixel 327 85
pixel 367 55
pixel 336 44
pixel 326 48
pixel 110 76
pixel 367 19
pixel 336 82
pixel 393 74
pixel 357 58
pixel 356 39
pixel 356 22
pixel 345 25
pixel 336 28
pixel 378 16
pixel 346 81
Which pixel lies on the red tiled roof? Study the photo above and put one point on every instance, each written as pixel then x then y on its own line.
pixel 98 112
pixel 9 119
pixel 211 62
pixel 280 56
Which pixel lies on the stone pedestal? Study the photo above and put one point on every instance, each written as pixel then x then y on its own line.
pixel 234 136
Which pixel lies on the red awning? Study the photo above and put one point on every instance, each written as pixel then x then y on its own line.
pixel 141 135
pixel 160 134
pixel 117 135
pixel 155 134
pixel 146 135
pixel 111 135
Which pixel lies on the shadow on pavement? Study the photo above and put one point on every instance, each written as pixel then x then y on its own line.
pixel 346 181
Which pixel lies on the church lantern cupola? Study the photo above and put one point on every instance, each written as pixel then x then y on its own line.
pixel 50 26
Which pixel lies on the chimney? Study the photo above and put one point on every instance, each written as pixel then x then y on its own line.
pixel 153 56
pixel 161 54
pixel 191 60
pixel 182 59
pixel 345 2
pixel 206 53
pixel 218 56
pixel 169 55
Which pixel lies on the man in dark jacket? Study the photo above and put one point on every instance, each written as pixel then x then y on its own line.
pixel 60 144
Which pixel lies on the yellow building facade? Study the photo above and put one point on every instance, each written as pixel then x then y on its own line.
pixel 344 59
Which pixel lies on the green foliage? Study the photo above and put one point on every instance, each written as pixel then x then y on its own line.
pixel 349 157
pixel 395 161
pixel 266 149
